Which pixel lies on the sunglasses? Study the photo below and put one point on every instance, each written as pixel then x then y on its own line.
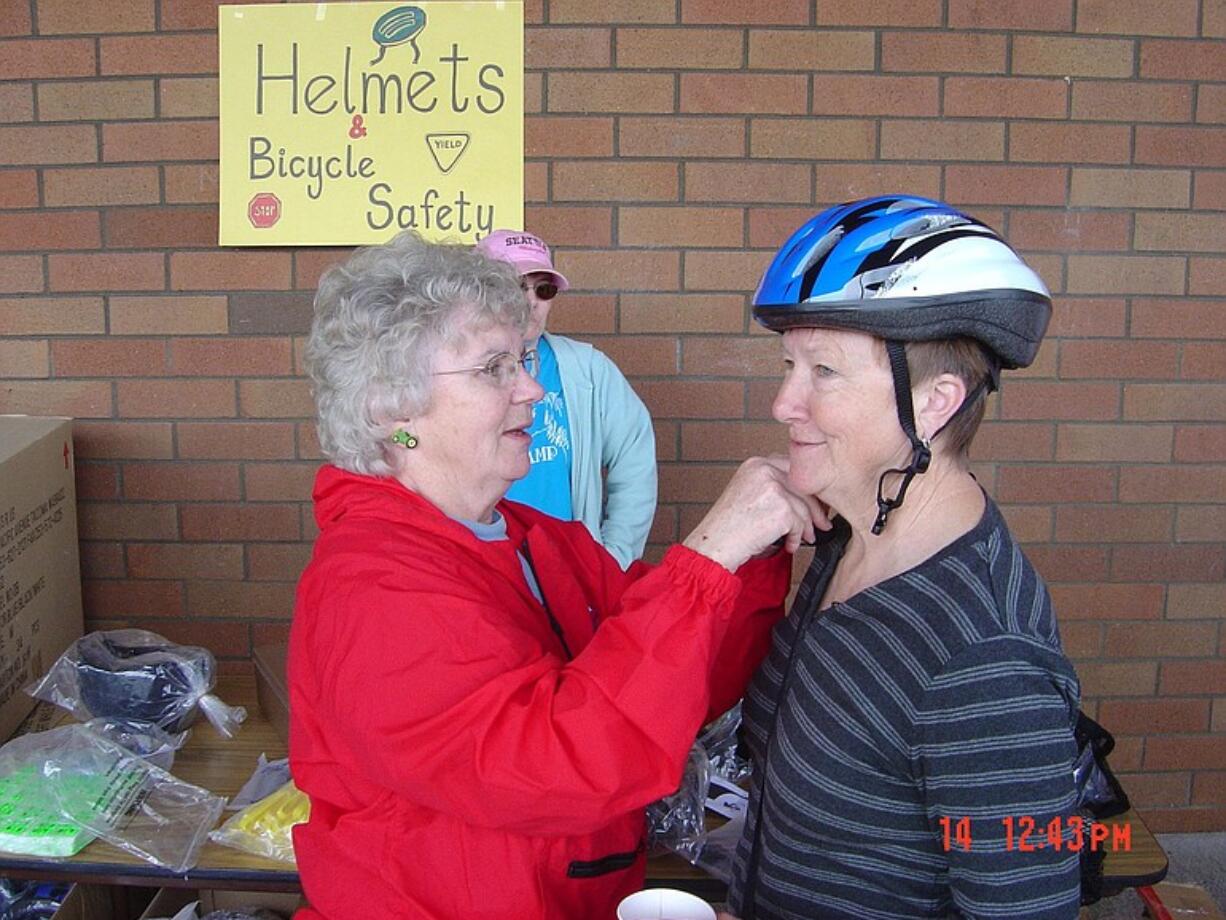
pixel 544 290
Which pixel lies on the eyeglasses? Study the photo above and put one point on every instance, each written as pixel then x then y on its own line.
pixel 501 368
pixel 544 290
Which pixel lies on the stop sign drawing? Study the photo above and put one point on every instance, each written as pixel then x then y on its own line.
pixel 264 210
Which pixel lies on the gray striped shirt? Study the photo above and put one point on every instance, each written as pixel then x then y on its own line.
pixel 941 693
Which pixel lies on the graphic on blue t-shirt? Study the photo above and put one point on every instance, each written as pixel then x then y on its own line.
pixel 547 485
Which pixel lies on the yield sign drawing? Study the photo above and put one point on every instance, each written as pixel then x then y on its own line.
pixel 447 148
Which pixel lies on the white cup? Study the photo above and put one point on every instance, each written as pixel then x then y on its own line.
pixel 664 904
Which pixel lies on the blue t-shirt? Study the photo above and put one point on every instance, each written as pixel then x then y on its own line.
pixel 547 485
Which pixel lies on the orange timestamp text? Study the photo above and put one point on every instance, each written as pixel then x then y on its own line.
pixel 1025 834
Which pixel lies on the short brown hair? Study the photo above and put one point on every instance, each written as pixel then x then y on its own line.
pixel 966 359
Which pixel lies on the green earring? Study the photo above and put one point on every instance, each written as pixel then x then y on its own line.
pixel 404 439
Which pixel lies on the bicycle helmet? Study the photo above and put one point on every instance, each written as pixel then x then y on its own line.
pixel 907 269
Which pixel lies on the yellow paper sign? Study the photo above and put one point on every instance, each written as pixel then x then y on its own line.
pixel 345 123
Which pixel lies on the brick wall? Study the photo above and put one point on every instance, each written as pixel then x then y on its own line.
pixel 671 146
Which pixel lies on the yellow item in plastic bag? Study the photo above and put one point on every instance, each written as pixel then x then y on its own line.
pixel 264 827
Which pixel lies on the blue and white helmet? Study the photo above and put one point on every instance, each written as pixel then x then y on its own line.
pixel 906 269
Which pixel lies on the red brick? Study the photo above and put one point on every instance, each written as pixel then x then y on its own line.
pixel 568 136
pixel 95 100
pixel 1204 361
pixel 46 144
pixel 108 357
pixel 97 186
pixel 1175 402
pixel 239 598
pixel 589 93
pixel 680 226
pixel 52 315
pixel 1156 716
pixel 1063 563
pixel 1201 443
pixel 1028 523
pixel 182 315
pixel 1133 678
pixel 181 560
pixel 20 189
pixel 1107 443
pixel 615 11
pixel 1100 601
pixel 1162 640
pixel 275 399
pixel 1013 441
pixel 194 183
pixel 1126 274
pixel 1034 399
pixel 839 94
pixel 1184 820
pixel 1195 602
pixel 739 356
pixel 188 97
pixel 1211 104
pixel 683 399
pixel 1180 231
pixel 1178 318
pixel 121 598
pixel 15 19
pixel 1012 97
pixel 641 355
pixel 307 437
pixel 20 275
pixel 1028 185
pixel 693 482
pixel 1092 316
pixel 1171 483
pixel 97 480
pixel 159 54
pixel 921 139
pixel 1168 563
pixel 736 93
pixel 192 14
pixel 1130 188
pixel 1051 15
pixel 1206 276
pixel 1204 524
pixel 172 140
pixel 1154 790
pixel 310 264
pixel 725 271
pixel 16 102
pixel 230 356
pixel 101 560
pixel 1042 142
pixel 1055 484
pixel 770 227
pixel 1181 146
pixel 229 271
pixel 277 561
pixel 1208 788
pixel 49 230
pixel 1082 640
pixel 682 313
pixel 672 49
pixel 235 440
pixel 238 523
pixel 681 137
pixel 837 182
pixel 782 12
pixel 181 481
pixel 747 182
pixel 584 314
pixel 1163 59
pixel 123 440
pixel 615 181
pixel 1117 100
pixel 555 49
pixel 1193 676
pixel 812 49
pixel 279 482
pixel 621 269
pixel 107 271
pixel 74 398
pixel 1065 230
pixel 1214 20
pixel 1062 56
pixel 73 18
pixel 1136 17
pixel 42 58
pixel 570 226
pixel 25 358
pixel 1114 523
pixel 1109 359
pixel 880 13
pixel 951 52
pixel 162 228
pixel 127 521
pixel 731 440
pixel 176 398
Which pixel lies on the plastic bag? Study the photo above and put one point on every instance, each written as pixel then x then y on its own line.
pixel 91 787
pixel 678 821
pixel 137 675
pixel 265 827
pixel 144 739
pixel 189 912
pixel 21 900
pixel 269 776
pixel 721 741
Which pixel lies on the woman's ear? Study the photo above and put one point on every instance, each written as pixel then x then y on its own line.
pixel 936 401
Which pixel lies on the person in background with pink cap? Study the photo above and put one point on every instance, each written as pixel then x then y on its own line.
pixel 593 450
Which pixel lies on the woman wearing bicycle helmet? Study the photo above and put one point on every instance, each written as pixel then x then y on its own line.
pixel 912 726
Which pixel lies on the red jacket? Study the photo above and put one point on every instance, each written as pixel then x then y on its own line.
pixel 458 764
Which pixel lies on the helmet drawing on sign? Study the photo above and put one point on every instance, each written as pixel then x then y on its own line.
pixel 907 269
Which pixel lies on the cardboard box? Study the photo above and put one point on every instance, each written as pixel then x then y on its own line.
pixel 86 902
pixel 170 901
pixel 271 688
pixel 40 572
pixel 1186 902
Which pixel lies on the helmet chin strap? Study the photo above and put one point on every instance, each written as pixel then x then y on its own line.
pixel 921 448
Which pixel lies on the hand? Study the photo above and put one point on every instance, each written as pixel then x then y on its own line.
pixel 756 509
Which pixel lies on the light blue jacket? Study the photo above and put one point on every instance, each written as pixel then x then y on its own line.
pixel 610 431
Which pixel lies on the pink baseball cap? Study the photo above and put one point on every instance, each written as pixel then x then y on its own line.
pixel 526 252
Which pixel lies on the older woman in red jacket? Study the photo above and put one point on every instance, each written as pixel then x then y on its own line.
pixel 482 702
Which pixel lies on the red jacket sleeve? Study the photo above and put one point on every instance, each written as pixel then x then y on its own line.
pixel 471 717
